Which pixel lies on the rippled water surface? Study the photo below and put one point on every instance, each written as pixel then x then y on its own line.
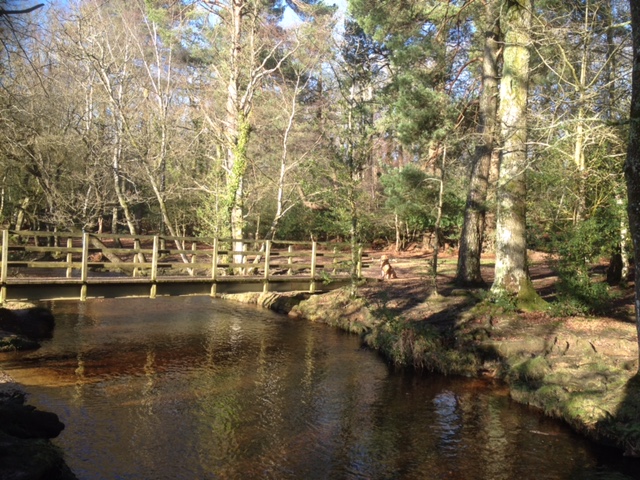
pixel 196 388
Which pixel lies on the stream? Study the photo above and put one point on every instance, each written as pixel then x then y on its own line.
pixel 201 388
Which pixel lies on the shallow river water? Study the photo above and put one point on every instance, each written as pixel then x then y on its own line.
pixel 198 388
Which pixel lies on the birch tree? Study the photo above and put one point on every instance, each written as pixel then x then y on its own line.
pixel 110 58
pixel 248 59
pixel 256 47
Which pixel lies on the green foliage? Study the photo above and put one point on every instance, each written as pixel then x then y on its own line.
pixel 530 370
pixel 578 294
pixel 419 111
pixel 577 248
pixel 412 195
pixel 212 215
pixel 212 220
pixel 417 345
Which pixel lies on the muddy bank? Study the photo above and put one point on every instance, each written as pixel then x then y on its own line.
pixel 26 452
pixel 580 370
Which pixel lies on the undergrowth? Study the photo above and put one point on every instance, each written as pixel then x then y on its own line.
pixel 418 345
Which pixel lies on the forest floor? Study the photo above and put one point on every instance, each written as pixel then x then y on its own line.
pixel 582 369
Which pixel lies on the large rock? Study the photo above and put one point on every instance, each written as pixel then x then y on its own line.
pixel 22 459
pixel 11 342
pixel 25 450
pixel 36 322
pixel 25 421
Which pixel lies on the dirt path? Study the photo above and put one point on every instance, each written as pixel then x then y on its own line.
pixel 407 294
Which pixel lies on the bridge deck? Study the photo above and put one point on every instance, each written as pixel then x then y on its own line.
pixel 34 289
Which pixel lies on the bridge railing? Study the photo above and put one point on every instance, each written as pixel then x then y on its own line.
pixel 85 257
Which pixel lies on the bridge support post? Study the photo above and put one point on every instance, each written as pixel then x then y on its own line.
pixel 214 267
pixel 85 266
pixel 69 257
pixel 154 267
pixel 4 268
pixel 267 260
pixel 314 251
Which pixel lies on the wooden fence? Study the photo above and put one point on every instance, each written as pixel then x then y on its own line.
pixel 43 259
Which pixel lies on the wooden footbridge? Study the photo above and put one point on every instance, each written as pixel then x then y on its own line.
pixel 77 266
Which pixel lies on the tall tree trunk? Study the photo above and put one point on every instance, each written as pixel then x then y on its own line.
pixel 610 80
pixel 237 131
pixel 511 272
pixel 281 209
pixel 468 271
pixel 21 211
pixel 632 165
pixel 580 133
pixel 437 233
pixel 117 183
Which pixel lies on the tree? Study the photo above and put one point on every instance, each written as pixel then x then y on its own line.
pixel 45 180
pixel 578 47
pixel 252 49
pixel 577 143
pixel 511 270
pixel 632 165
pixel 356 72
pixel 471 238
pixel 410 193
pixel 110 59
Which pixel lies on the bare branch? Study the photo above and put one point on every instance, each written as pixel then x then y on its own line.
pixel 20 12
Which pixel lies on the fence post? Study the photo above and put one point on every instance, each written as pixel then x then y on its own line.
pixel 267 260
pixel 4 269
pixel 312 285
pixel 334 262
pixel 214 267
pixel 85 266
pixel 359 266
pixel 69 257
pixel 290 259
pixel 194 249
pixel 244 258
pixel 154 267
pixel 136 248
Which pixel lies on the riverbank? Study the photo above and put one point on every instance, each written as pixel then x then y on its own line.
pixel 578 369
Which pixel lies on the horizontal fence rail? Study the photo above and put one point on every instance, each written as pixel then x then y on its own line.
pixel 53 265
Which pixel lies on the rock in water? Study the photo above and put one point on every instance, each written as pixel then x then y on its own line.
pixel 36 322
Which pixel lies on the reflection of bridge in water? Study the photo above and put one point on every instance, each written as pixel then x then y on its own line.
pixel 77 266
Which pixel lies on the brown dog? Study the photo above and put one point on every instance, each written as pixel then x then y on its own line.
pixel 387 270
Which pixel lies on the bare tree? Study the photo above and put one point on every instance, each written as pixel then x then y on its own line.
pixel 252 56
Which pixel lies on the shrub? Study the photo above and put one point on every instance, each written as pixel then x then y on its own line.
pixel 577 249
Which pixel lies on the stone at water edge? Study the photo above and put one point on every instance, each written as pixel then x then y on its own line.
pixel 36 322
